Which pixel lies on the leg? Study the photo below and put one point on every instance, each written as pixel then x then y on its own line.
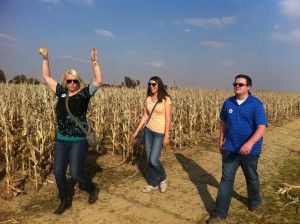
pixel 152 177
pixel 155 154
pixel 230 164
pixel 61 159
pixel 78 154
pixel 249 167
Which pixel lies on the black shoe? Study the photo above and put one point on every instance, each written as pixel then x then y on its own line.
pixel 214 220
pixel 254 208
pixel 65 204
pixel 93 193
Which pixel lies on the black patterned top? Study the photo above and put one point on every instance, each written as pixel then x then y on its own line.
pixel 78 105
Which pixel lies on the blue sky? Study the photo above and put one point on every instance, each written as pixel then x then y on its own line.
pixel 193 43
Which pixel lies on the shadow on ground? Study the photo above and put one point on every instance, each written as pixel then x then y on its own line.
pixel 202 179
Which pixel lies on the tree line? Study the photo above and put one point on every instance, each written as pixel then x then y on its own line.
pixel 17 79
pixel 128 82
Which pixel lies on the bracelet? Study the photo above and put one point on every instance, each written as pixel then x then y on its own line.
pixel 95 64
pixel 45 58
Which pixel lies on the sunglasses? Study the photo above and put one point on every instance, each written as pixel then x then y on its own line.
pixel 152 84
pixel 239 84
pixel 75 81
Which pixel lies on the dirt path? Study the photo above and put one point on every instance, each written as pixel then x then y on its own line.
pixel 193 176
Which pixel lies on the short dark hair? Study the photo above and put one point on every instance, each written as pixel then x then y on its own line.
pixel 248 79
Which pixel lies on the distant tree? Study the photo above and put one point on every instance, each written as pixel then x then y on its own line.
pixel 130 83
pixel 127 81
pixel 2 76
pixel 19 79
pixel 138 83
pixel 33 81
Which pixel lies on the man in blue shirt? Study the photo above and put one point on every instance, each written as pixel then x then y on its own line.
pixel 243 124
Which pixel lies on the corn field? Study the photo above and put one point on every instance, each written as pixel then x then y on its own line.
pixel 28 124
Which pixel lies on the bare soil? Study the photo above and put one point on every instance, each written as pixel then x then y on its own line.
pixel 193 178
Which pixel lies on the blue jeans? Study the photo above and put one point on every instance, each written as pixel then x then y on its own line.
pixel 154 145
pixel 230 163
pixel 72 153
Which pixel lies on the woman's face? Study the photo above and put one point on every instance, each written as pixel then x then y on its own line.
pixel 153 86
pixel 71 82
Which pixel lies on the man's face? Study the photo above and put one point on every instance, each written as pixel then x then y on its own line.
pixel 240 86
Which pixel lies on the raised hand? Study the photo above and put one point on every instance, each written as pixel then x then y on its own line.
pixel 94 54
pixel 44 51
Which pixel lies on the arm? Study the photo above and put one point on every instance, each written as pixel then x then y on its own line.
pixel 166 139
pixel 222 135
pixel 141 124
pixel 46 69
pixel 96 67
pixel 258 134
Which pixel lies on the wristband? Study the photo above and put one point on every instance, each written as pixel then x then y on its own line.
pixel 95 64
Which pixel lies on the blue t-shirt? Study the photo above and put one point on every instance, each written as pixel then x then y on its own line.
pixel 241 122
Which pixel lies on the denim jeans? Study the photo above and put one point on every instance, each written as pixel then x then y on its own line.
pixel 230 163
pixel 72 153
pixel 154 145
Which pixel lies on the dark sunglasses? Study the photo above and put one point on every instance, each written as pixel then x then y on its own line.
pixel 239 84
pixel 72 80
pixel 152 84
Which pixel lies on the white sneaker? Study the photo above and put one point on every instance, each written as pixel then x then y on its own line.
pixel 150 188
pixel 163 186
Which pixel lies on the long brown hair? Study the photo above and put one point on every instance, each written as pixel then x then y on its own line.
pixel 161 92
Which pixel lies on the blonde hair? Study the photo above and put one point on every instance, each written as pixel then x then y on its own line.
pixel 76 75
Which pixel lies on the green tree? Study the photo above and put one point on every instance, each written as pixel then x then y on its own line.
pixel 130 83
pixel 138 83
pixel 19 79
pixel 127 81
pixel 33 81
pixel 2 76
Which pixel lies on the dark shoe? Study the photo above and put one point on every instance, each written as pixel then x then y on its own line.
pixel 65 204
pixel 254 208
pixel 214 220
pixel 93 193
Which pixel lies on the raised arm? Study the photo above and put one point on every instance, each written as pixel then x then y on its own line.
pixel 46 69
pixel 96 67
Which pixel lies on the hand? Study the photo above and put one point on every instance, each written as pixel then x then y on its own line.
pixel 166 141
pixel 221 147
pixel 44 51
pixel 133 137
pixel 221 150
pixel 94 54
pixel 246 148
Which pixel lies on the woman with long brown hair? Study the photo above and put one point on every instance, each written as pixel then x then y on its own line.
pixel 156 132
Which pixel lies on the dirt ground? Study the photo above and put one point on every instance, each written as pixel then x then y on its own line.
pixel 193 175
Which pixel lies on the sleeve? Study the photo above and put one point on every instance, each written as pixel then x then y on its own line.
pixel 223 113
pixel 260 115
pixel 168 100
pixel 92 88
pixel 60 90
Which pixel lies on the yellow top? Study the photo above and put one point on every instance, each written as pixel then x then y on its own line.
pixel 158 117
